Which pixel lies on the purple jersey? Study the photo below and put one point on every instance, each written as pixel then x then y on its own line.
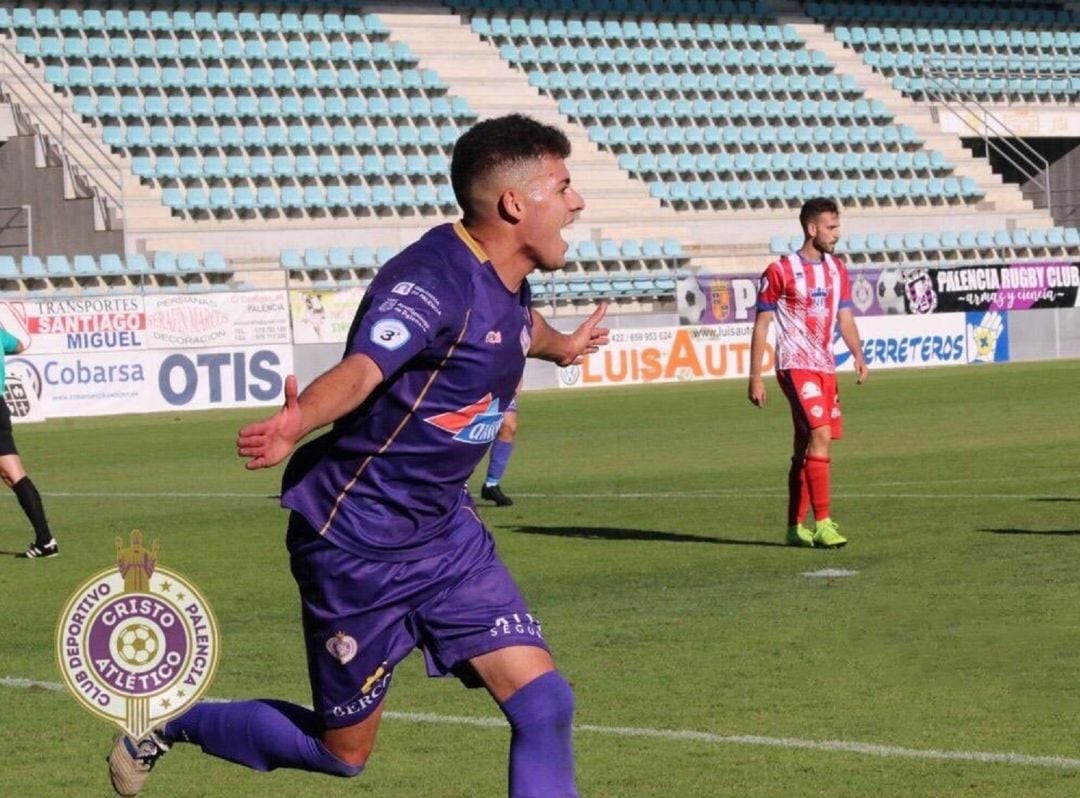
pixel 451 341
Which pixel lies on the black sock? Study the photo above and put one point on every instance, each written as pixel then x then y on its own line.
pixel 30 501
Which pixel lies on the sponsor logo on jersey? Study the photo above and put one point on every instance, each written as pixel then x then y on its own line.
pixel 403 289
pixel 810 390
pixel 493 337
pixel 477 423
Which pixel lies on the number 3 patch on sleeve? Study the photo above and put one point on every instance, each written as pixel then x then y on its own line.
pixel 390 334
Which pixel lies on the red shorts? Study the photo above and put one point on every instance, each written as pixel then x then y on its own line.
pixel 814 399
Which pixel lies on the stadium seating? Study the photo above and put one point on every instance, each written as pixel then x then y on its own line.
pixel 949 246
pixel 722 113
pixel 237 112
pixel 89 274
pixel 995 53
pixel 641 268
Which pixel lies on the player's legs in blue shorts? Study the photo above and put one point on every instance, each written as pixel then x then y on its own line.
pixel 360 619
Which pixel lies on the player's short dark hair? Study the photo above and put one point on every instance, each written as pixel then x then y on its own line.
pixel 495 143
pixel 813 208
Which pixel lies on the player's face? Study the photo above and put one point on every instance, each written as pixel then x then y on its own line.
pixel 825 231
pixel 550 205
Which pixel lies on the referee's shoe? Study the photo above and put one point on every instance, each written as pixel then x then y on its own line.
pixel 36 552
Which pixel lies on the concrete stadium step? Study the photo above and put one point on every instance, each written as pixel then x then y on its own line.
pixel 473 69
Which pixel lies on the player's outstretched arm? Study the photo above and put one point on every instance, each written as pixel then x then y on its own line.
pixel 333 394
pixel 850 333
pixel 568 349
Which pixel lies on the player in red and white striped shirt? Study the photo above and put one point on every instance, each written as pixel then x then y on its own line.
pixel 808 293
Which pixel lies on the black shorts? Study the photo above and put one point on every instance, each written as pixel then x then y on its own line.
pixel 7 440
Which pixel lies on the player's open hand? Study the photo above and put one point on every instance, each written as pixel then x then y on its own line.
pixel 588 338
pixel 266 443
pixel 862 373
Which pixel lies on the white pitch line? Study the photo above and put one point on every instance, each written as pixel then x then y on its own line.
pixel 615 495
pixel 839 746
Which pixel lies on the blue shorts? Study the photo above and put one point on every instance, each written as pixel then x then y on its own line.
pixel 362 617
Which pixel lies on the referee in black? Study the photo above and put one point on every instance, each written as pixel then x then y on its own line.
pixel 11 467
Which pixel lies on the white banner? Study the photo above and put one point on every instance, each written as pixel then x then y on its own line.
pixel 147 381
pixel 324 317
pixel 91 324
pixel 668 354
pixel 722 351
pixel 234 319
pixel 156 321
pixel 1029 122
pixel 908 341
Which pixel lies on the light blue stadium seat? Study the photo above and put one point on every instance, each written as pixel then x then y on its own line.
pixel 291 259
pixel 84 266
pixel 363 258
pixel 339 258
pixel 315 258
pixel 165 263
pixel 57 266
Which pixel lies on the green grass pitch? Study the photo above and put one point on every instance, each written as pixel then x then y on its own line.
pixel 645 534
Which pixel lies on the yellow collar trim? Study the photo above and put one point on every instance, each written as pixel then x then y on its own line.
pixel 470 242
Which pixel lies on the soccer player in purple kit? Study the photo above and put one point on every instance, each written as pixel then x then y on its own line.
pixel 385 544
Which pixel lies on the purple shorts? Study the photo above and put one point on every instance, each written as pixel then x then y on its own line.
pixel 362 617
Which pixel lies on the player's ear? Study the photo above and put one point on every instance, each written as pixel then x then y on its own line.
pixel 511 207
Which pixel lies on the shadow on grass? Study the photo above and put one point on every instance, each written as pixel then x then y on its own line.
pixel 1044 532
pixel 1057 499
pixel 610 533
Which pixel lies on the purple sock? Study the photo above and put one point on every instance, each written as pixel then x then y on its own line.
pixel 260 734
pixel 541 745
pixel 500 456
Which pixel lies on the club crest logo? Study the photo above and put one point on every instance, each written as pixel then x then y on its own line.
pixel 720 299
pixel 23 390
pixel 818 298
pixel 478 423
pixel 342 647
pixel 137 644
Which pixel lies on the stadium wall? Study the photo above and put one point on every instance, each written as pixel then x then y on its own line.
pixel 166 352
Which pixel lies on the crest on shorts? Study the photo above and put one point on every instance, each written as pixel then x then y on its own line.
pixel 342 647
pixel 137 644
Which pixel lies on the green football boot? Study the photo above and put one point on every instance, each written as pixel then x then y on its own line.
pixel 827 535
pixel 799 535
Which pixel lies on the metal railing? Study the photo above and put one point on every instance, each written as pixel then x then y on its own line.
pixel 61 128
pixel 9 222
pixel 941 76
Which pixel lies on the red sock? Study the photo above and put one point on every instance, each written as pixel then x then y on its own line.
pixel 817 482
pixel 798 496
